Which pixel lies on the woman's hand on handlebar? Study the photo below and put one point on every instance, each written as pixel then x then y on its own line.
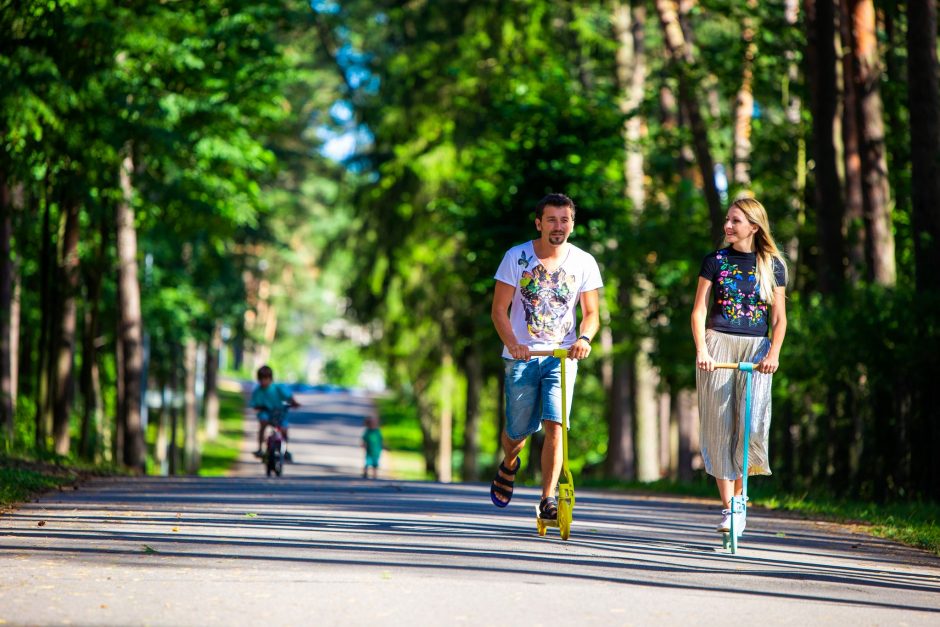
pixel 704 361
pixel 768 365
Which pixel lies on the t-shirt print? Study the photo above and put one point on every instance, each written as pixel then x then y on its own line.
pixel 542 312
pixel 738 306
pixel 739 294
pixel 546 297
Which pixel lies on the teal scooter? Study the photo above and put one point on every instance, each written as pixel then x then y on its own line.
pixel 739 502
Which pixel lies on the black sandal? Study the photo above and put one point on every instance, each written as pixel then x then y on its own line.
pixel 548 508
pixel 503 486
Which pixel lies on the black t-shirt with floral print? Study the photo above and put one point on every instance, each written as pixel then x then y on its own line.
pixel 737 307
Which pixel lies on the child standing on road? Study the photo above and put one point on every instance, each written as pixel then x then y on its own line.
pixel 268 399
pixel 372 443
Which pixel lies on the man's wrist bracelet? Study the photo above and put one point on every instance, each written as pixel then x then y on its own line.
pixel 585 338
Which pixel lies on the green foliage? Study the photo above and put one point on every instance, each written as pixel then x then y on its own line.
pixel 344 368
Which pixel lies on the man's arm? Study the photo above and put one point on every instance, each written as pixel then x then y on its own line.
pixel 590 324
pixel 502 299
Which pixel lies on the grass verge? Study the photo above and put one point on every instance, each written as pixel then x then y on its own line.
pixel 22 478
pixel 912 523
pixel 220 454
pixel 402 439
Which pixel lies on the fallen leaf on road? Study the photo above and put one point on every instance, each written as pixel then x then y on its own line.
pixel 149 550
pixel 176 528
pixel 41 523
pixel 780 534
pixel 386 574
pixel 251 515
pixel 103 606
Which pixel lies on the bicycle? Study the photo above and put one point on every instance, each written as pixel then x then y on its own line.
pixel 275 450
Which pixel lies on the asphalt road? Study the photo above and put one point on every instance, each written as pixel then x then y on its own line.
pixel 321 546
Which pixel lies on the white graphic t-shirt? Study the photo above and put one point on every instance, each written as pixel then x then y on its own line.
pixel 542 312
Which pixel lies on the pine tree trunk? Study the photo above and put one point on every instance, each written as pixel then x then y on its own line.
pixel 821 72
pixel 445 442
pixel 130 321
pixel 191 413
pixel 880 237
pixel 681 57
pixel 93 406
pixel 211 385
pixel 473 371
pixel 854 218
pixel 621 460
pixel 744 105
pixel 68 283
pixel 6 309
pixel 626 410
pixel 47 306
pixel 924 105
pixel 687 418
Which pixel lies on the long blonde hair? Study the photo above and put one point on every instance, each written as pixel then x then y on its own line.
pixel 764 246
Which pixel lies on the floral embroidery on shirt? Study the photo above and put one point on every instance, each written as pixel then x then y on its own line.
pixel 738 294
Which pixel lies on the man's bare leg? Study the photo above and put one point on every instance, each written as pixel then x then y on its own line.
pixel 551 457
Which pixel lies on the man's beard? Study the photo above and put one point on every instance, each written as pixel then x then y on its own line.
pixel 556 239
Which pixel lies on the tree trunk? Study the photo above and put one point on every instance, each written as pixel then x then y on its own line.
pixel 6 309
pixel 445 443
pixel 681 57
pixel 630 406
pixel 880 237
pixel 821 71
pixel 744 106
pixel 68 284
pixel 15 330
pixel 117 439
pixel 172 449
pixel 647 415
pixel 131 323
pixel 924 103
pixel 473 370
pixel 854 218
pixel 621 460
pixel 191 413
pixel 211 393
pixel 92 416
pixel 631 77
pixel 687 418
pixel 426 419
pixel 47 305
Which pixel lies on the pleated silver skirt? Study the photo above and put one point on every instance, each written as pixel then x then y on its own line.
pixel 721 408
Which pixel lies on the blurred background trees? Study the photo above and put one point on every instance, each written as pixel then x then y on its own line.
pixel 338 182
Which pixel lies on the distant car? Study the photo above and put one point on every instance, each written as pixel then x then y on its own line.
pixel 330 388
pixel 302 388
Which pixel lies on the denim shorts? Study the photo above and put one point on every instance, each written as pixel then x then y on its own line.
pixel 533 394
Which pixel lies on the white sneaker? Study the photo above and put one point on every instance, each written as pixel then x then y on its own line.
pixel 725 525
pixel 740 522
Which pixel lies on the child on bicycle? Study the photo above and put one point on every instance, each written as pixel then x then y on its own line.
pixel 268 399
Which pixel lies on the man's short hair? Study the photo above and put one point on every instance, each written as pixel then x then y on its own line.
pixel 554 200
pixel 265 372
